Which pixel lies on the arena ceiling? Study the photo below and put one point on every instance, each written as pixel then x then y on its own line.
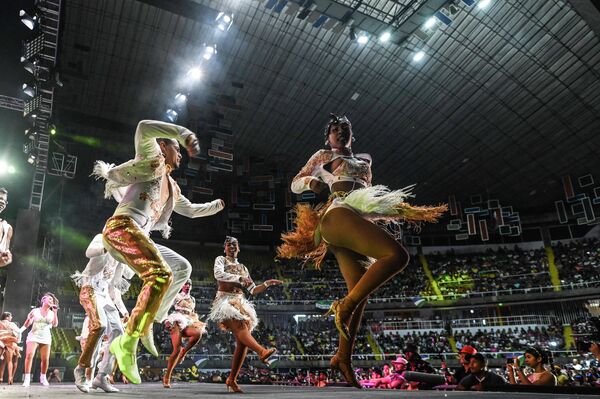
pixel 504 103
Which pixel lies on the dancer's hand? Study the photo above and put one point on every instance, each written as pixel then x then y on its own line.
pixel 269 283
pixel 317 186
pixel 192 146
pixel 222 203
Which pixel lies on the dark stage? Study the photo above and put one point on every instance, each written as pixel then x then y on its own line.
pixel 200 390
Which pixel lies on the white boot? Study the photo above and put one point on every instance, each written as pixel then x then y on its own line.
pixel 101 381
pixel 26 380
pixel 43 380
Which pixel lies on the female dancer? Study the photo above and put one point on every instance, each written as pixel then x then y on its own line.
pixel 41 319
pixel 345 226
pixel 10 336
pixel 183 323
pixel 233 312
pixel 535 358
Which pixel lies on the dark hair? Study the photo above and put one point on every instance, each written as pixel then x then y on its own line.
pixel 166 140
pixel 5 315
pixel 333 120
pixel 536 352
pixel 3 190
pixel 230 239
pixel 480 358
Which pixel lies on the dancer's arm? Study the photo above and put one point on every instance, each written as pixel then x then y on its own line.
pixel 55 319
pixel 115 293
pixel 6 256
pixel 148 131
pixel 96 247
pixel 263 287
pixel 222 275
pixel 184 207
pixel 28 321
pixel 304 180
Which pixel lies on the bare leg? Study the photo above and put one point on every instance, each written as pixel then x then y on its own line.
pixel 45 358
pixel 239 355
pixel 29 354
pixel 3 353
pixel 176 342
pixel 352 268
pixel 8 359
pixel 193 335
pixel 242 335
pixel 344 228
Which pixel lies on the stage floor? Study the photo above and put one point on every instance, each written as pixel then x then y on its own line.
pixel 199 390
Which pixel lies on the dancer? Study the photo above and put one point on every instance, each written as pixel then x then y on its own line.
pixel 233 312
pixel 41 320
pixel 6 232
pixel 150 198
pixel 345 226
pixel 10 336
pixel 183 323
pixel 101 299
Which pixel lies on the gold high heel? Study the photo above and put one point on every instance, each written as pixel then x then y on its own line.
pixel 346 370
pixel 232 386
pixel 264 357
pixel 339 324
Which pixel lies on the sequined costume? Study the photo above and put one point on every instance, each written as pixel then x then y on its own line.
pixel 185 313
pixel 374 203
pixel 232 305
pixel 126 234
pixel 101 285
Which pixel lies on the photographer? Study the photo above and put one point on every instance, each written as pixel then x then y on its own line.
pixel 535 358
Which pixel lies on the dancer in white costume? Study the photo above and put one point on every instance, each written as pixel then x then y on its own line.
pixel 102 283
pixel 41 320
pixel 232 311
pixel 6 232
pixel 151 196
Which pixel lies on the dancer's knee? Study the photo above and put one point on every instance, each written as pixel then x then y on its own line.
pixel 399 257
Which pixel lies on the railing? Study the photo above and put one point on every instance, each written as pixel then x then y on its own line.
pixel 432 298
pixel 505 321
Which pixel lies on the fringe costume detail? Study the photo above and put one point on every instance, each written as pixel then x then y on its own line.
pixel 231 306
pixel 377 203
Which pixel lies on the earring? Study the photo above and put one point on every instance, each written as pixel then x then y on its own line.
pixel 353 139
pixel 326 142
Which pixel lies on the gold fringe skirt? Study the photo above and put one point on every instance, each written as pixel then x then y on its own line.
pixel 377 203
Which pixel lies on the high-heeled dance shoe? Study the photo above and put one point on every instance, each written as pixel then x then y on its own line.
pixel 266 354
pixel 336 309
pixel 232 386
pixel 166 382
pixel 345 367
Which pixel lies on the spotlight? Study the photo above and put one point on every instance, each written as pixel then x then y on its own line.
pixel 28 20
pixel 30 66
pixel 31 159
pixel 3 167
pixel 195 73
pixel 385 37
pixel 483 4
pixel 11 169
pixel 52 129
pixel 209 51
pixel 180 98
pixel 224 21
pixel 29 90
pixel 362 38
pixel 430 23
pixel 31 133
pixel 419 56
pixel 171 115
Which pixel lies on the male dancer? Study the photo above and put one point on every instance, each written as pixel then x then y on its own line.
pixel 151 197
pixel 101 283
pixel 6 232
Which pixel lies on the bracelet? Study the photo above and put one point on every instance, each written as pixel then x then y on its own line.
pixel 266 285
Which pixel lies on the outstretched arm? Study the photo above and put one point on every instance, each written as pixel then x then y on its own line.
pixel 6 257
pixel 263 287
pixel 184 207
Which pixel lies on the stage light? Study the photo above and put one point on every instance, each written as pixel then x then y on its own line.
pixel 209 51
pixel 362 38
pixel 31 159
pixel 52 129
pixel 30 66
pixel 29 90
pixel 3 167
pixel 483 4
pixel 195 73
pixel 11 169
pixel 180 98
pixel 352 34
pixel 224 21
pixel 171 115
pixel 28 20
pixel 385 37
pixel 430 23
pixel 419 56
